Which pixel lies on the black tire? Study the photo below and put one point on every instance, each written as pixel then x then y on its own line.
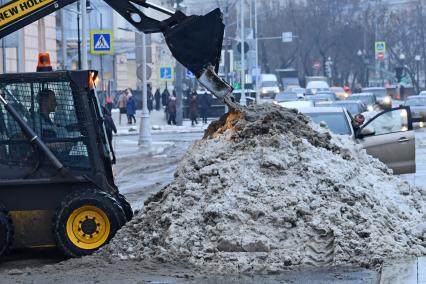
pixel 75 225
pixel 127 208
pixel 6 231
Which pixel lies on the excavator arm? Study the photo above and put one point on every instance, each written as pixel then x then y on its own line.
pixel 195 41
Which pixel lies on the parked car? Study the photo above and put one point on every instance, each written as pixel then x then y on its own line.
pixel 353 107
pixel 422 93
pixel 298 90
pixel 388 136
pixel 286 97
pixel 369 99
pixel 297 104
pixel 322 97
pixel 340 93
pixel 417 106
pixel 313 87
pixel 382 97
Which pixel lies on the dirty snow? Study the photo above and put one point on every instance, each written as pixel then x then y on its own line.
pixel 266 191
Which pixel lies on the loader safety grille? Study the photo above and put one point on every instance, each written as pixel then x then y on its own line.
pixel 55 112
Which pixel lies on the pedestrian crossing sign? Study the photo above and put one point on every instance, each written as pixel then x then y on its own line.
pixel 166 73
pixel 101 42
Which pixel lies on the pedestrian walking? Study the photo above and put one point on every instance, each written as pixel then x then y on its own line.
pixel 193 108
pixel 122 105
pixel 109 128
pixel 165 97
pixel 157 98
pixel 204 106
pixel 131 107
pixel 150 100
pixel 108 103
pixel 171 109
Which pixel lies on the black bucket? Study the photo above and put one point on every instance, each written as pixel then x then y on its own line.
pixel 196 42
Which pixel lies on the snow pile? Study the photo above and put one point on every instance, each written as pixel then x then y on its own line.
pixel 266 190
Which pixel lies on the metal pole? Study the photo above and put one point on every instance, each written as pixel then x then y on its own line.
pixel 78 36
pixel 178 86
pixel 102 65
pixel 64 41
pixel 3 48
pixel 84 34
pixel 145 138
pixel 257 53
pixel 243 63
pixel 21 51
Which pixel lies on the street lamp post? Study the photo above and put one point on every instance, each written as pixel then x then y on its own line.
pixel 418 58
pixel 145 138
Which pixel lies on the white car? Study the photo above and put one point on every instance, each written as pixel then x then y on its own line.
pixel 314 87
pixel 388 135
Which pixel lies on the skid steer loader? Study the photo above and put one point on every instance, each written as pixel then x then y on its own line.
pixel 56 182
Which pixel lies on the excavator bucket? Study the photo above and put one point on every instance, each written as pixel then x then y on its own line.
pixel 196 42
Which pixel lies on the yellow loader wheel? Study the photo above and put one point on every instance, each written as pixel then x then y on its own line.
pixel 6 231
pixel 86 220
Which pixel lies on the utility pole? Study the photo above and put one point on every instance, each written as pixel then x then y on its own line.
pixel 243 63
pixel 84 33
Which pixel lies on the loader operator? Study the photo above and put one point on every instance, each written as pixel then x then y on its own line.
pixel 49 130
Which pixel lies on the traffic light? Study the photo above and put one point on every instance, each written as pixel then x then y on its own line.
pixel 398 73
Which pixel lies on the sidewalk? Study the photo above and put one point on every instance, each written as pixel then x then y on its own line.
pixel 158 124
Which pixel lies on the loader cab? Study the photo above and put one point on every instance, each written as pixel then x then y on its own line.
pixel 62 108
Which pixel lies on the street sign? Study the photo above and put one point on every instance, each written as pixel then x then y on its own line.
pixel 246 47
pixel 380 56
pixel 287 37
pixel 189 74
pixel 166 73
pixel 380 50
pixel 101 42
pixel 317 65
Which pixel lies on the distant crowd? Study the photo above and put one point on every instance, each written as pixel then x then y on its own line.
pixel 199 105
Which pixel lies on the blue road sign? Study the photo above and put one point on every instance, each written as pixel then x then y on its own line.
pixel 189 74
pixel 166 73
pixel 101 42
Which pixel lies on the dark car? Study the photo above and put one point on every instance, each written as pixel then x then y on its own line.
pixel 353 107
pixel 417 106
pixel 382 97
pixel 286 97
pixel 322 97
pixel 369 99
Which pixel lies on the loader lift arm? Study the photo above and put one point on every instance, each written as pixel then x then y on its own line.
pixel 195 41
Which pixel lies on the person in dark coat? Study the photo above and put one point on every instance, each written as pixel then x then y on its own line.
pixel 131 107
pixel 165 97
pixel 157 97
pixel 193 108
pixel 109 128
pixel 150 100
pixel 171 109
pixel 204 106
